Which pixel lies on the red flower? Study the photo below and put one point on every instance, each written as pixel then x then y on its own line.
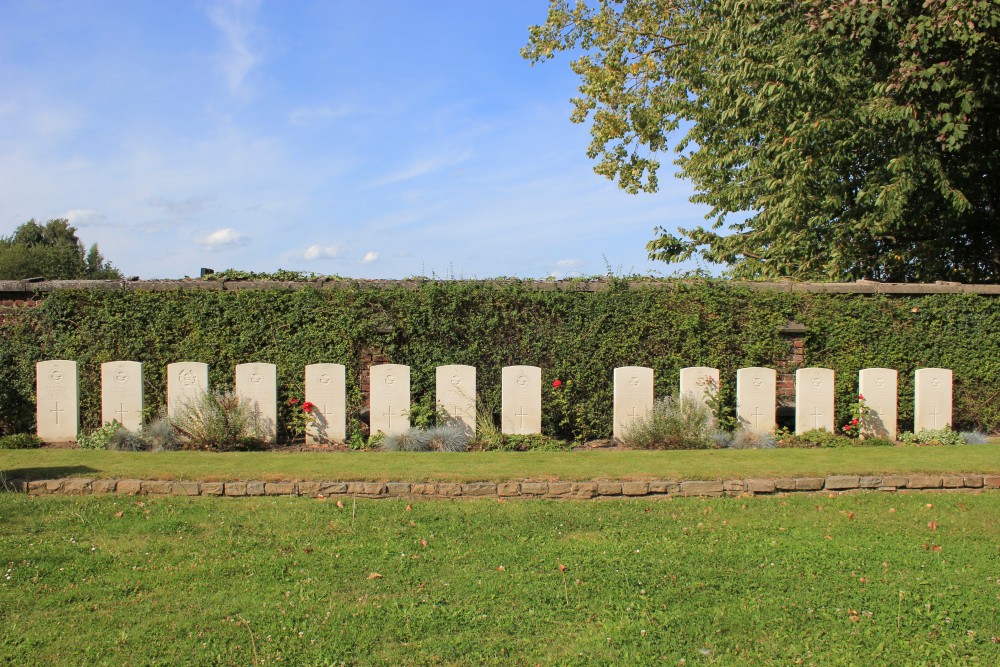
pixel 861 397
pixel 293 401
pixel 557 383
pixel 854 422
pixel 307 407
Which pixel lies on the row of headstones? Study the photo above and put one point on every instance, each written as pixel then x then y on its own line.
pixel 521 396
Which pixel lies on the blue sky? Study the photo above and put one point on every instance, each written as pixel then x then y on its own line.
pixel 386 139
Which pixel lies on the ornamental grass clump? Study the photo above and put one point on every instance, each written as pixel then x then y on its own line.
pixel 448 438
pixel 672 424
pixel 748 439
pixel 218 421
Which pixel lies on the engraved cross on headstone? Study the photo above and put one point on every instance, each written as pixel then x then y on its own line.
pixel 634 414
pixel 56 411
pixel 816 415
pixel 934 415
pixel 388 415
pixel 121 412
pixel 756 414
pixel 522 414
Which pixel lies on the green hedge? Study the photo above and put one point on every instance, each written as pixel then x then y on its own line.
pixel 576 336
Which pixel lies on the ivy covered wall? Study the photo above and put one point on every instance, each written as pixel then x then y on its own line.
pixel 574 335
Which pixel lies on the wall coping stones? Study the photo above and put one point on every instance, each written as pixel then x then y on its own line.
pixel 510 489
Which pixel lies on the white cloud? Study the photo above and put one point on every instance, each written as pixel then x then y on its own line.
pixel 86 218
pixel 568 263
pixel 234 19
pixel 182 207
pixel 369 257
pixel 322 252
pixel 310 115
pixel 422 168
pixel 222 239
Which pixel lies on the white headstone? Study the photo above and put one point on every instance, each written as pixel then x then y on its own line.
pixel 932 399
pixel 756 403
pixel 878 386
pixel 814 391
pixel 58 404
pixel 325 389
pixel 698 382
pixel 186 382
pixel 121 393
pixel 521 400
pixel 258 384
pixel 633 396
pixel 390 399
pixel 456 394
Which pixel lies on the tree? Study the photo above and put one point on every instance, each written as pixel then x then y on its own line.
pixel 51 251
pixel 844 140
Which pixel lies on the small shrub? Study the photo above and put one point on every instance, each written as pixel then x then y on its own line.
pixel 20 441
pixel 941 436
pixel 722 439
pixel 876 442
pixel 124 440
pixel 750 439
pixel 219 421
pixel 488 434
pixel 974 437
pixel 98 439
pixel 451 438
pixel 672 424
pixel 161 436
pixel 815 438
pixel 410 441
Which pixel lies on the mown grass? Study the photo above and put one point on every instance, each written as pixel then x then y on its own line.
pixel 499 466
pixel 872 579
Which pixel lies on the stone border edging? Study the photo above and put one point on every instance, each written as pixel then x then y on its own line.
pixel 513 489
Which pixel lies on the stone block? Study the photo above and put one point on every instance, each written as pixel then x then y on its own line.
pixel 308 488
pixel 280 489
pixel 894 481
pixel 991 481
pixel 255 488
pixel 633 488
pixel 186 489
pixel 236 488
pixel 734 486
pixel 664 486
pixel 585 489
pixel 869 482
pixel 156 487
pixel 395 488
pixel 449 489
pixel 609 488
pixel 842 482
pixel 508 489
pixel 951 482
pixel 331 488
pixel 760 485
pixel 77 486
pixel 924 482
pixel 809 483
pixel 974 482
pixel 37 486
pixel 103 485
pixel 373 488
pixel 212 488
pixel 560 488
pixel 425 489
pixel 54 485
pixel 479 489
pixel 534 488
pixel 130 486
pixel 785 484
pixel 701 488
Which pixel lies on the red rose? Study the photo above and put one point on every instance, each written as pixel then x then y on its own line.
pixel 293 401
pixel 854 422
pixel 307 407
pixel 557 383
pixel 861 397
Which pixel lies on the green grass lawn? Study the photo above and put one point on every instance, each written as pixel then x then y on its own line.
pixel 867 579
pixel 499 466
